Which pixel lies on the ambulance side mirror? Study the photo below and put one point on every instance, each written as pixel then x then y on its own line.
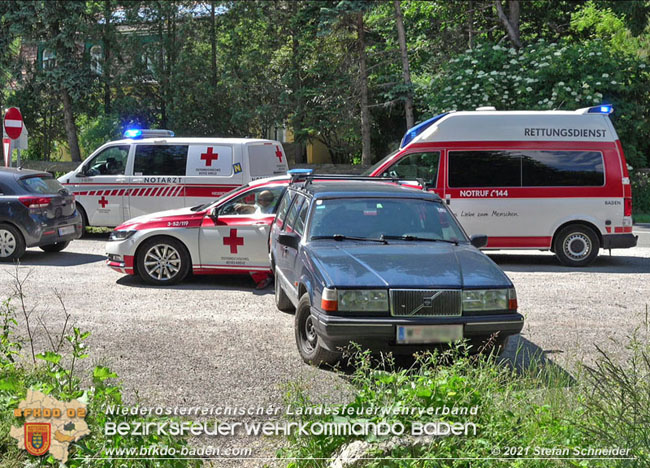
pixel 214 213
pixel 479 240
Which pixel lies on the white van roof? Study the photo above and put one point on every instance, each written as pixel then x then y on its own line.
pixel 492 125
pixel 194 140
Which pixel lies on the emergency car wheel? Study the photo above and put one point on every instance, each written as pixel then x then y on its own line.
pixel 282 302
pixel 12 244
pixel 84 218
pixel 57 247
pixel 576 246
pixel 162 261
pixel 307 339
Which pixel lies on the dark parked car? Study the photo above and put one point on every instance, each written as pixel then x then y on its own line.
pixel 35 211
pixel 384 266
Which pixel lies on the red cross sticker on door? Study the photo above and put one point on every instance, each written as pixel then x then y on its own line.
pixel 209 156
pixel 102 201
pixel 233 241
pixel 278 153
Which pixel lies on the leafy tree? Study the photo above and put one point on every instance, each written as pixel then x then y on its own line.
pixel 61 27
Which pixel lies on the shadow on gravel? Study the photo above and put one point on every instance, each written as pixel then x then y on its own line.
pixel 548 263
pixel 37 257
pixel 525 356
pixel 203 283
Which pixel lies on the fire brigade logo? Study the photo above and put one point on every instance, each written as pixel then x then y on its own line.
pixel 50 425
pixel 37 438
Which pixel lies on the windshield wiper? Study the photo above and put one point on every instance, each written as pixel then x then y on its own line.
pixel 340 237
pixel 408 237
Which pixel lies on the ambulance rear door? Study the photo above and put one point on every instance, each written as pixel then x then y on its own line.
pixel 265 159
pixel 212 170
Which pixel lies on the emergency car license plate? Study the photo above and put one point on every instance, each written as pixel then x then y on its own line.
pixel 65 230
pixel 424 334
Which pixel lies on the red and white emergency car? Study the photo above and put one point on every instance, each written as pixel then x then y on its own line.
pixel 150 171
pixel 545 180
pixel 228 236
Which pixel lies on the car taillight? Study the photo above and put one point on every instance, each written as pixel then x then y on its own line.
pixel 329 300
pixel 627 209
pixel 512 299
pixel 35 204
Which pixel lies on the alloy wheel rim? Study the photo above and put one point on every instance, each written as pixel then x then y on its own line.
pixel 577 246
pixel 162 262
pixel 7 243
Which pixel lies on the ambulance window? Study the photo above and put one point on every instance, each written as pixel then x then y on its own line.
pixel 484 169
pixel 284 207
pixel 111 161
pixel 416 166
pixel 258 202
pixel 562 169
pixel 293 213
pixel 160 160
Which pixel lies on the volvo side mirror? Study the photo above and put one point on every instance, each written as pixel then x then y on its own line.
pixel 479 240
pixel 289 239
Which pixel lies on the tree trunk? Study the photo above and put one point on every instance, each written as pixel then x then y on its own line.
pixel 366 156
pixel 70 127
pixel 213 46
pixel 106 48
pixel 510 22
pixel 406 73
pixel 470 25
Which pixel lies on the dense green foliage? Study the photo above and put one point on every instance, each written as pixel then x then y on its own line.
pixel 606 405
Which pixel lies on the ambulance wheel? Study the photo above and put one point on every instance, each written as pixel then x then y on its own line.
pixel 576 245
pixel 163 261
pixel 84 219
pixel 309 347
pixel 57 247
pixel 12 243
pixel 282 302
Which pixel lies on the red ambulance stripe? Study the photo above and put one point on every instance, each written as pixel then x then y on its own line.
pixel 208 192
pixel 166 192
pixel 114 193
pixel 178 192
pixel 519 242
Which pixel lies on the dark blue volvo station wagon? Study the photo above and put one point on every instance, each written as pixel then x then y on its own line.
pixel 384 266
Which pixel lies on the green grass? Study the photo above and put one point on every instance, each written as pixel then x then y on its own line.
pixel 604 405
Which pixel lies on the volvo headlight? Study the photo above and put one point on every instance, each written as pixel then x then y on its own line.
pixel 120 235
pixel 489 299
pixel 363 300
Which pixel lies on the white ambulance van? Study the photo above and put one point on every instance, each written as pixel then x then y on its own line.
pixel 151 171
pixel 544 180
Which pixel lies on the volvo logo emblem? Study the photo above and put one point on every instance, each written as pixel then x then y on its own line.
pixel 426 302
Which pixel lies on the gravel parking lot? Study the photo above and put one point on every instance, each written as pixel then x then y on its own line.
pixel 215 341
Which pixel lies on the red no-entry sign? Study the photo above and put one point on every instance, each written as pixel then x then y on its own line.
pixel 13 123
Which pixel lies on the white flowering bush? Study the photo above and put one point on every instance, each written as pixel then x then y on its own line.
pixel 544 76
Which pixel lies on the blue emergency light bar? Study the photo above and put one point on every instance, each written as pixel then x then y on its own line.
pixel 419 128
pixel 297 174
pixel 602 109
pixel 134 133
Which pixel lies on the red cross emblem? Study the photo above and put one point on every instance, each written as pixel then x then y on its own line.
pixel 102 201
pixel 278 153
pixel 209 156
pixel 233 241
